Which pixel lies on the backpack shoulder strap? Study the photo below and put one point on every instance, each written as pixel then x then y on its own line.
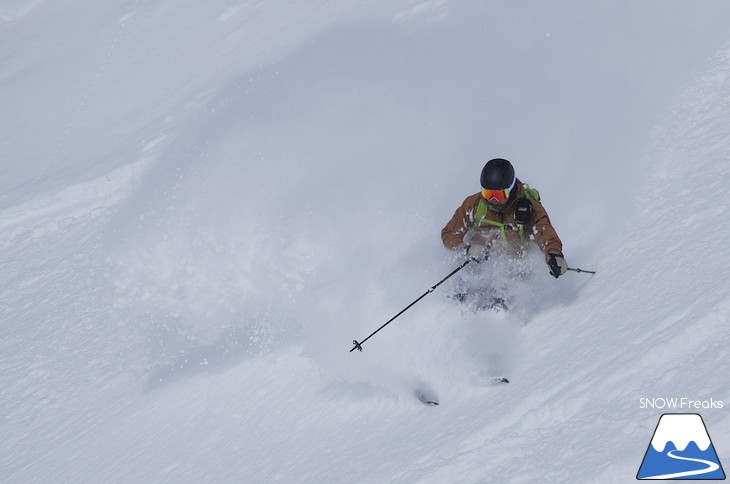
pixel 531 192
pixel 480 212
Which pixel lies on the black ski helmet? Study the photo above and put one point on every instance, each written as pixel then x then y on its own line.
pixel 498 174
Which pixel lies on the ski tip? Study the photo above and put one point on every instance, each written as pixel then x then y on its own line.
pixel 489 381
pixel 426 400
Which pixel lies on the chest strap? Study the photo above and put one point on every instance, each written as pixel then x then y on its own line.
pixel 480 218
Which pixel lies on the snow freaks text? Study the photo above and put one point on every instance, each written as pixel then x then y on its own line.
pixel 682 403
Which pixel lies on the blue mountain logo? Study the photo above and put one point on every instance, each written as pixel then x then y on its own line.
pixel 681 449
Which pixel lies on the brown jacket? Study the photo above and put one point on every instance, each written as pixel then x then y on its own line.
pixel 538 229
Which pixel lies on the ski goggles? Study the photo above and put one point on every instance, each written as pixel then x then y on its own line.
pixel 497 196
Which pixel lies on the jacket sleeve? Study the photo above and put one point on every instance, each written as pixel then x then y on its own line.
pixel 543 232
pixel 453 234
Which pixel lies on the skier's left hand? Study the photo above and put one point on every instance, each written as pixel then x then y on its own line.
pixel 557 264
pixel 477 252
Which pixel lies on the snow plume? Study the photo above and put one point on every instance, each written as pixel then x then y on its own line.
pixel 239 231
pixel 194 258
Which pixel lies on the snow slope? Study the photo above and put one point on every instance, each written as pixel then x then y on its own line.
pixel 201 205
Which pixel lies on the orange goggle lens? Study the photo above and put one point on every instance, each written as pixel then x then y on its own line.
pixel 495 195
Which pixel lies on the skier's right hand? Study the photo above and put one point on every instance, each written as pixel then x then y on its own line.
pixel 476 252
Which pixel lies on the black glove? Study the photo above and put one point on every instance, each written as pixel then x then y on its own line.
pixel 557 264
pixel 477 252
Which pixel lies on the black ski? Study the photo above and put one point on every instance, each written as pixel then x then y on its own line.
pixel 432 401
pixel 490 380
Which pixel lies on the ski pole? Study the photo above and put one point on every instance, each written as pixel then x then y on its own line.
pixel 358 346
pixel 581 270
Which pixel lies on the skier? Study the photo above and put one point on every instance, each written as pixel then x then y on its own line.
pixel 503 217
